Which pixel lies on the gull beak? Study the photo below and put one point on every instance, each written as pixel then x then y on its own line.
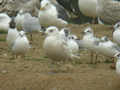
pixel 42 8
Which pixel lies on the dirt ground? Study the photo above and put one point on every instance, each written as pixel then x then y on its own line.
pixel 35 72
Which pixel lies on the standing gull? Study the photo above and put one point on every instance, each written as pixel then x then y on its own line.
pixel 90 41
pixel 73 45
pixel 70 40
pixel 21 45
pixel 108 48
pixel 52 14
pixel 56 46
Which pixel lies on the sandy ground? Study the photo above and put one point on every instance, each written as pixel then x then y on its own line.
pixel 35 72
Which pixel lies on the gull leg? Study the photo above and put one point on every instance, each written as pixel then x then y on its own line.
pixel 113 64
pixel 31 37
pixel 96 57
pixel 91 59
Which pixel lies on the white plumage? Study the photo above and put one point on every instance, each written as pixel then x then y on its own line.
pixel 55 46
pixel 31 24
pixel 116 33
pixel 72 44
pixel 88 7
pixel 49 15
pixel 89 40
pixel 11 37
pixel 108 48
pixel 19 19
pixel 4 21
pixel 21 44
pixel 117 66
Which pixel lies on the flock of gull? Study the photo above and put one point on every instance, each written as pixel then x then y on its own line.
pixel 60 45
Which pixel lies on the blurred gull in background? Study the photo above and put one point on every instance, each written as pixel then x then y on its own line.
pixel 31 24
pixel 4 22
pixel 52 14
pixel 88 7
pixel 108 11
pixel 12 33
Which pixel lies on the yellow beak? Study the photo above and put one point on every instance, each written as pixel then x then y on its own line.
pixel 42 8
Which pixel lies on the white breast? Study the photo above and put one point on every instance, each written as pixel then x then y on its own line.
pixel 11 37
pixel 118 67
pixel 21 45
pixel 55 48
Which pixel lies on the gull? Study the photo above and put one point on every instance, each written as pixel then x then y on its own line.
pixel 29 6
pixel 108 48
pixel 19 20
pixel 31 24
pixel 116 33
pixel 78 41
pixel 90 41
pixel 88 7
pixel 12 33
pixel 56 46
pixel 72 40
pixel 4 21
pixel 72 44
pixel 108 11
pixel 52 14
pixel 21 45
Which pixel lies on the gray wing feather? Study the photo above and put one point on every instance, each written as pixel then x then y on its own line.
pixel 31 24
pixel 61 12
pixel 80 43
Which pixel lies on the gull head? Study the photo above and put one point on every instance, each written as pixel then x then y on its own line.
pixel 116 26
pixel 65 32
pixel 104 39
pixel 73 37
pixel 88 30
pixel 45 4
pixel 22 33
pixel 52 30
